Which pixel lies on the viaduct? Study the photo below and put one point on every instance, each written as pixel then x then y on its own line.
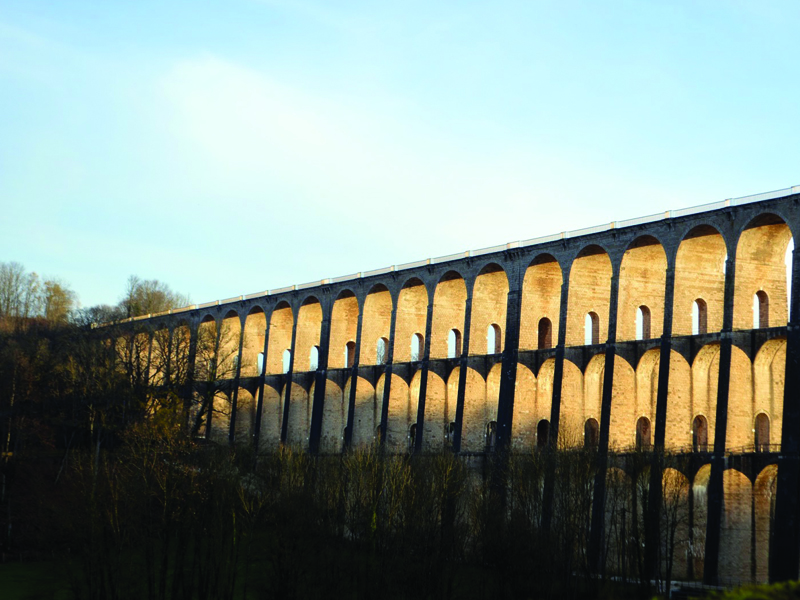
pixel 676 333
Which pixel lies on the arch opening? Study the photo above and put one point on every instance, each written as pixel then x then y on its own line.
pixel 545 339
pixel 454 343
pixel 643 441
pixel 643 323
pixel 591 329
pixel 761 433
pixel 700 434
pixel 417 346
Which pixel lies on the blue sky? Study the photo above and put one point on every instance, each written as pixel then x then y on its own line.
pixel 228 148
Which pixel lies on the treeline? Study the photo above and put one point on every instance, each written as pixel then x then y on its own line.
pixel 104 468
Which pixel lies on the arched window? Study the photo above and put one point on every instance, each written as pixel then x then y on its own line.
pixel 591 433
pixel 491 436
pixel 592 328
pixel 260 363
pixel 643 434
pixel 642 323
pixel 760 310
pixel 287 360
pixel 350 354
pixel 412 436
pixel 700 434
pixel 313 358
pixel 454 343
pixel 382 351
pixel 542 434
pixel 493 339
pixel 545 333
pixel 699 317
pixel 762 433
pixel 417 344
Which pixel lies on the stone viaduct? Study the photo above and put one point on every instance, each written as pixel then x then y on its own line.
pixel 670 333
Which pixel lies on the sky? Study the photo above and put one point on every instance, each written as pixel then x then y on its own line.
pixel 227 148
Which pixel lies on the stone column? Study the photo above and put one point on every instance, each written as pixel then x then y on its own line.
pixel 320 379
pixel 715 491
pixel 784 552
pixel 596 533
pixel 423 382
pixel 351 403
pixel 508 373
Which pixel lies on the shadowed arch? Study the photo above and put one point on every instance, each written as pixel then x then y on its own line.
pixel 761 269
pixel 642 282
pixel 376 324
pixel 489 303
pixel 280 336
pixel 344 328
pixel 449 306
pixel 590 291
pixel 412 310
pixel 699 274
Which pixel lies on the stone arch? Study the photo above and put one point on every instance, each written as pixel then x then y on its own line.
pixel 160 351
pixel 700 434
pixel 476 413
pixel 255 329
pixel 334 417
pixel 489 303
pixel 412 311
pixel 271 418
pixel 740 402
pixel 705 378
pixel 206 357
pixel 221 418
pixel 449 306
pixel 493 391
pixel 376 324
pixel 699 274
pixel 764 492
pixel 622 424
pixel 281 324
pixel 300 405
pixel 769 374
pixel 618 520
pixel 228 348
pixel 761 267
pixel 593 387
pixel 454 343
pixel 526 410
pixel 574 408
pixel 677 434
pixel 642 280
pixel 647 384
pixel 438 413
pixel 541 299
pixel 544 334
pixel 675 540
pixel 367 414
pixel 309 326
pixel 735 528
pixel 344 328
pixel 400 416
pixel 245 417
pixel 179 354
pixel 589 291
